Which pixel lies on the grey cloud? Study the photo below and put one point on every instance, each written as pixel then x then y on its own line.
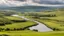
pixel 49 1
pixel 20 0
pixel 53 2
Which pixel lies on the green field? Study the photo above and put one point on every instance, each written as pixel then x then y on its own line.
pixel 53 20
pixel 19 25
pixel 13 18
pixel 15 26
pixel 31 33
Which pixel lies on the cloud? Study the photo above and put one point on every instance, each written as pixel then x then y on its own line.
pixel 49 1
pixel 20 0
pixel 43 1
pixel 32 3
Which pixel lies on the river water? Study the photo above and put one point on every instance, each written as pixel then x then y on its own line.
pixel 40 27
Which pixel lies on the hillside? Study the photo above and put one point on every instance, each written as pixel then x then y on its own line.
pixel 28 8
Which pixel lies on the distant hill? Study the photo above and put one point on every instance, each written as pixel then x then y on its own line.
pixel 28 8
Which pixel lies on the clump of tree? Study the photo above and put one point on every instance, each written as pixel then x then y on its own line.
pixel 1 15
pixel 4 35
pixel 56 29
pixel 4 21
pixel 35 30
pixel 8 13
pixel 48 15
pixel 37 15
pixel 19 20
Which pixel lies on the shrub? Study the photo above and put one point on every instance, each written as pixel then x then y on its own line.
pixel 7 29
pixel 19 20
pixel 35 30
pixel 5 35
pixel 4 21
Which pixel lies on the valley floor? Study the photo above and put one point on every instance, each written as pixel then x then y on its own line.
pixel 14 26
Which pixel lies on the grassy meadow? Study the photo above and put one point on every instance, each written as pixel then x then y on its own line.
pixel 32 33
pixel 52 19
pixel 15 26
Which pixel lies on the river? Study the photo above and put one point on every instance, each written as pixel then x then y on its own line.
pixel 40 27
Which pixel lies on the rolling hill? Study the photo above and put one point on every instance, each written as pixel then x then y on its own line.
pixel 28 8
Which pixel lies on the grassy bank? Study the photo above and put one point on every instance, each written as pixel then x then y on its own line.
pixel 31 33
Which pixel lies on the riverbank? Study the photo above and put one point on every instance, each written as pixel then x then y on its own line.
pixel 40 27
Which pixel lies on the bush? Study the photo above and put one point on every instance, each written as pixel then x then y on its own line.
pixel 7 29
pixel 4 21
pixel 18 20
pixel 35 30
pixel 2 29
pixel 5 35
pixel 2 24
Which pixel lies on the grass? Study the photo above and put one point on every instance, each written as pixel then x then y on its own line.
pixel 52 22
pixel 31 33
pixel 13 18
pixel 18 25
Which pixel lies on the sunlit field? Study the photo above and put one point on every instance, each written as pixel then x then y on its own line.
pixel 16 26
pixel 53 19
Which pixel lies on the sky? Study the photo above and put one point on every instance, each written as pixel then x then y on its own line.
pixel 12 3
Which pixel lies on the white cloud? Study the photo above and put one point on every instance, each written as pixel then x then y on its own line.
pixel 31 2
